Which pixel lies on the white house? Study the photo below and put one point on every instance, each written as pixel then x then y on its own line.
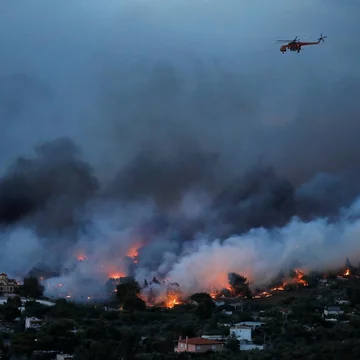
pixel 219 303
pixel 333 310
pixel 228 313
pixel 343 302
pixel 252 324
pixel 64 357
pixel 32 323
pixel 241 332
pixel 237 304
pixel 251 346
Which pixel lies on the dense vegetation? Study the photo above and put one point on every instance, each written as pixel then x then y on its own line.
pixel 90 332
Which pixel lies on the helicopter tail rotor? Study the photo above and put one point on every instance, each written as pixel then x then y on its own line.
pixel 321 38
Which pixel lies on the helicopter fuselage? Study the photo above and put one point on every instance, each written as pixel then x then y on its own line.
pixel 291 47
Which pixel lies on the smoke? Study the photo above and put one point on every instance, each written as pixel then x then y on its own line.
pixel 190 141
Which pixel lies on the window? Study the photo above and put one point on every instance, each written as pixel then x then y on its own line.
pixel 198 347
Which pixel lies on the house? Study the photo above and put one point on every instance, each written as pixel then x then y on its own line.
pixel 322 282
pixel 227 313
pixel 237 305
pixel 252 324
pixel 241 332
pixel 219 303
pixel 198 345
pixel 32 323
pixel 285 311
pixel 250 347
pixel 7 286
pixel 333 310
pixel 343 302
pixel 64 357
pixel 213 337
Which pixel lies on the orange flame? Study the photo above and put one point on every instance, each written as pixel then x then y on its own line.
pixel 279 288
pixel 133 253
pixel 299 277
pixel 81 257
pixel 172 302
pixel 347 272
pixel 116 275
pixel 263 294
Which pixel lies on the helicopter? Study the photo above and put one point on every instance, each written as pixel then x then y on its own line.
pixel 296 44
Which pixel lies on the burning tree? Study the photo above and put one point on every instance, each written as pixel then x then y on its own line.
pixel 349 269
pixel 128 294
pixel 239 285
pixel 298 276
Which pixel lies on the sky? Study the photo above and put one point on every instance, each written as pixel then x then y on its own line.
pixel 83 50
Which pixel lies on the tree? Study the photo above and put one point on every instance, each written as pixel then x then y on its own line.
pixel 232 344
pixel 10 312
pixel 205 309
pixel 133 303
pixel 200 297
pixel 15 301
pixel 32 288
pixel 239 285
pixel 128 288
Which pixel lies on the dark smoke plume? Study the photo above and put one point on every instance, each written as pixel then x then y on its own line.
pixel 46 191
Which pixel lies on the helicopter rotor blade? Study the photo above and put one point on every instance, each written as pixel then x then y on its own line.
pixel 321 38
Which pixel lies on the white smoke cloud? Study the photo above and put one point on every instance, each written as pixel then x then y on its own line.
pixel 261 254
pixel 204 263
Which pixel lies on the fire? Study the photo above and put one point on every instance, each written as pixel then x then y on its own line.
pixel 279 288
pixel 81 257
pixel 299 277
pixel 347 272
pixel 133 253
pixel 262 295
pixel 172 302
pixel 116 275
pixel 215 293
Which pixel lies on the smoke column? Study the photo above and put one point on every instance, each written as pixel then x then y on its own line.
pixel 161 130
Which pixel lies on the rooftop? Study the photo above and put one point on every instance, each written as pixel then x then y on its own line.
pixel 333 308
pixel 199 341
pixel 241 327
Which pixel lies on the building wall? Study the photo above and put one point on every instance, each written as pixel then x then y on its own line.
pixel 7 286
pixel 64 357
pixel 241 334
pixel 249 347
pixel 32 323
pixel 198 348
pixel 327 312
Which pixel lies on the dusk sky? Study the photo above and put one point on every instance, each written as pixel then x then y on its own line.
pixel 80 52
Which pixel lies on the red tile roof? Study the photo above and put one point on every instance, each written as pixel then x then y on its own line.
pixel 200 341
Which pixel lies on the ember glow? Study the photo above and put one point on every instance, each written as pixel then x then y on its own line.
pixel 172 302
pixel 116 275
pixel 81 257
pixel 133 253
pixel 299 277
